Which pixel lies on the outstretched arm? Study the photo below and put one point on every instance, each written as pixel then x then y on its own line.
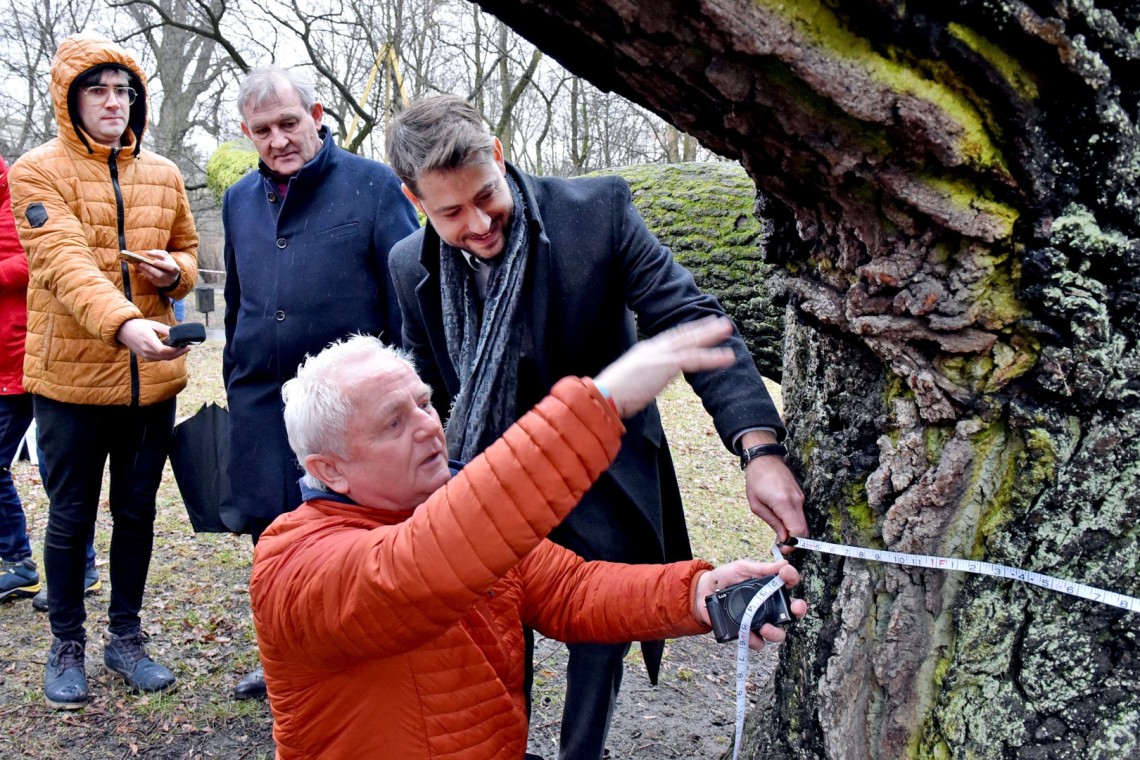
pixel 663 294
pixel 428 570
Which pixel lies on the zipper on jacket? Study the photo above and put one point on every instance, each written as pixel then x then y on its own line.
pixel 120 213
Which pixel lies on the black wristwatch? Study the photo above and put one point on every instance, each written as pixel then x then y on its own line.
pixel 763 450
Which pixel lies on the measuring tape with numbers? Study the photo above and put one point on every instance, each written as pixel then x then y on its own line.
pixel 762 595
pixel 1111 598
pixel 1084 591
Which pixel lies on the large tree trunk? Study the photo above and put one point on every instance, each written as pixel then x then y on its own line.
pixel 961 360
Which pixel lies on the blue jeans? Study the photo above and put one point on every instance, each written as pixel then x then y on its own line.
pixel 76 441
pixel 15 418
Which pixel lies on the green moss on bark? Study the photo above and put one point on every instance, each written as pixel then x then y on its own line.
pixel 893 71
pixel 1011 70
pixel 704 212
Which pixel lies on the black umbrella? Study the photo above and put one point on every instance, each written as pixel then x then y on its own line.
pixel 200 457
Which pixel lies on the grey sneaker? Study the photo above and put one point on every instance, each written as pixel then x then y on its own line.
pixel 91 585
pixel 65 677
pixel 19 579
pixel 126 655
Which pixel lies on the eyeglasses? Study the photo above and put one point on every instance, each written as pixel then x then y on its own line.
pixel 98 93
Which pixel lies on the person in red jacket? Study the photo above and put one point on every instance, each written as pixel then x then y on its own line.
pixel 19 576
pixel 390 606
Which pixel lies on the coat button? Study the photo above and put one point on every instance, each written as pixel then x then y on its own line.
pixel 279 316
pixel 272 197
pixel 282 242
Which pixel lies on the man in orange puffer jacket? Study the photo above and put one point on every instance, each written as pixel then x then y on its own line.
pixel 390 606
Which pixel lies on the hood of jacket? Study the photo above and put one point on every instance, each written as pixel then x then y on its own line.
pixel 77 55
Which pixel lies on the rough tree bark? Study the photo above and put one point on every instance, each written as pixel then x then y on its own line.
pixel 958 185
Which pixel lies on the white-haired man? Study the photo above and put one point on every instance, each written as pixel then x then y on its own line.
pixel 403 586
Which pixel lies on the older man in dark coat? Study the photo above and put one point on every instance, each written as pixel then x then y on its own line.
pixel 518 281
pixel 306 254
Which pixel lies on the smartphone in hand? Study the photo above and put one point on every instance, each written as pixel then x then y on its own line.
pixel 138 258
pixel 186 334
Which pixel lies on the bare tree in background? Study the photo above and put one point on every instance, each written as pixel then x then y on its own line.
pixel 341 43
pixel 534 124
pixel 367 59
pixel 511 88
pixel 418 40
pixel 186 76
pixel 28 39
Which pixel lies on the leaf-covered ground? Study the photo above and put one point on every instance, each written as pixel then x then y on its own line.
pixel 197 613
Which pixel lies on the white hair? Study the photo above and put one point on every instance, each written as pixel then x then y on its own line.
pixel 268 83
pixel 317 409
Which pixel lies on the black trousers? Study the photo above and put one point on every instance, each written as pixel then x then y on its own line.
pixel 76 441
pixel 593 679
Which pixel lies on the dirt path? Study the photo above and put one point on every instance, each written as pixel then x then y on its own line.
pixel 689 715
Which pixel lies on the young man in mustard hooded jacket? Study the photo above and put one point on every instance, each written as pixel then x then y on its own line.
pixel 103 382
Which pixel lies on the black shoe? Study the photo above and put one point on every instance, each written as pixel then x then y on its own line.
pixel 19 579
pixel 251 686
pixel 91 585
pixel 126 655
pixel 65 679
